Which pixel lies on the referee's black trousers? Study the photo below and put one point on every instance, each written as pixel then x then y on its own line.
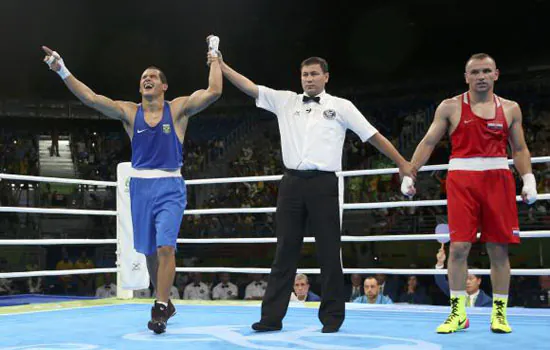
pixel 312 197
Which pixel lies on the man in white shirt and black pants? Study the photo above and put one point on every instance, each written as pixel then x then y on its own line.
pixel 313 128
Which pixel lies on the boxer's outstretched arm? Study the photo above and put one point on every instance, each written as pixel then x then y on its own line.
pixel 187 106
pixel 110 108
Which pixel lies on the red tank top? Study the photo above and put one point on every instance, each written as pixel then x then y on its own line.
pixel 478 137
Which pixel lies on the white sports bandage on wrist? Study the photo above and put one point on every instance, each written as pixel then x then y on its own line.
pixel 407 186
pixel 213 45
pixel 63 72
pixel 529 188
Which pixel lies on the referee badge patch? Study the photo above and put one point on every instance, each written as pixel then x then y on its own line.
pixel 329 114
pixel 166 128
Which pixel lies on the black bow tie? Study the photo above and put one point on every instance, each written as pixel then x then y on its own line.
pixel 196 284
pixel 307 99
pixel 224 286
pixel 258 283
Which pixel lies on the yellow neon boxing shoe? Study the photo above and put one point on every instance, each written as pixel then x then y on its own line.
pixel 457 319
pixel 499 323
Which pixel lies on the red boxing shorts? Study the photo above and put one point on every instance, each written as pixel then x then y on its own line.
pixel 484 200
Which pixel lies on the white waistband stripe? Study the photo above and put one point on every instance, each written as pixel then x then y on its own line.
pixel 154 173
pixel 478 163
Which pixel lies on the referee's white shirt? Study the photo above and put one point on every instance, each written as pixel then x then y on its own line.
pixel 312 134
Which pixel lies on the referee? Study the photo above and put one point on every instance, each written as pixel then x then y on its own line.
pixel 313 128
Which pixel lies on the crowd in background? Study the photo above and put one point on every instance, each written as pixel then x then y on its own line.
pixel 97 153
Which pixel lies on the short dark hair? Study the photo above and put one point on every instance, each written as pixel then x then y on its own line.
pixel 161 74
pixel 315 60
pixel 371 277
pixel 479 56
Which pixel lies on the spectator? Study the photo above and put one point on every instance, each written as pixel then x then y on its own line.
pixel 475 296
pixel 34 284
pixel 6 287
pixel 388 286
pixel 255 290
pixel 108 290
pixel 65 264
pixel 372 293
pixel 413 293
pixel 225 290
pixel 84 282
pixel 54 148
pixel 301 290
pixel 539 296
pixel 355 290
pixel 196 290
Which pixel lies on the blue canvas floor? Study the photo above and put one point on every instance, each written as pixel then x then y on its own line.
pixel 382 327
pixel 25 299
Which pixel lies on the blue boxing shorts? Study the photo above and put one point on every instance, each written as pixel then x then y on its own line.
pixel 157 205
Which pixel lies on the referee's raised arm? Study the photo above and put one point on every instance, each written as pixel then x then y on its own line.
pixel 240 81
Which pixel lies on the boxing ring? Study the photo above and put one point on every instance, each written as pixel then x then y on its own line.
pixel 121 323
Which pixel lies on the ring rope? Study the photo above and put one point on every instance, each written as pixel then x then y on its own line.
pixel 57 211
pixel 57 272
pixel 376 238
pixel 534 160
pixel 432 271
pixel 349 206
pixel 526 234
pixel 62 180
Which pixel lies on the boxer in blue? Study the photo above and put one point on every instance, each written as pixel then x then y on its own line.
pixel 157 189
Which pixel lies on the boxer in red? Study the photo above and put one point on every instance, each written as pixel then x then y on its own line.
pixel 480 186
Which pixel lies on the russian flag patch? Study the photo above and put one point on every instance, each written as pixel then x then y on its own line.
pixel 495 126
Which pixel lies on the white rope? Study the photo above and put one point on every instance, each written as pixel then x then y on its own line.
pixel 433 271
pixel 378 238
pixel 350 206
pixel 224 180
pixel 57 211
pixel 312 271
pixel 229 211
pixel 423 203
pixel 55 241
pixel 56 180
pixel 56 272
pixel 534 160
pixel 240 179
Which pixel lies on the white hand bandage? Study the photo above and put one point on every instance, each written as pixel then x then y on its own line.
pixel 213 45
pixel 63 72
pixel 529 190
pixel 407 186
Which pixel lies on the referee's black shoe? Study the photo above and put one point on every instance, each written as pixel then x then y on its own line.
pixel 263 327
pixel 159 317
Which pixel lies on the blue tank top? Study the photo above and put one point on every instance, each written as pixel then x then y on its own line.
pixel 158 147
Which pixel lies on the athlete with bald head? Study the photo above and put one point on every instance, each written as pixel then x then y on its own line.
pixel 480 186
